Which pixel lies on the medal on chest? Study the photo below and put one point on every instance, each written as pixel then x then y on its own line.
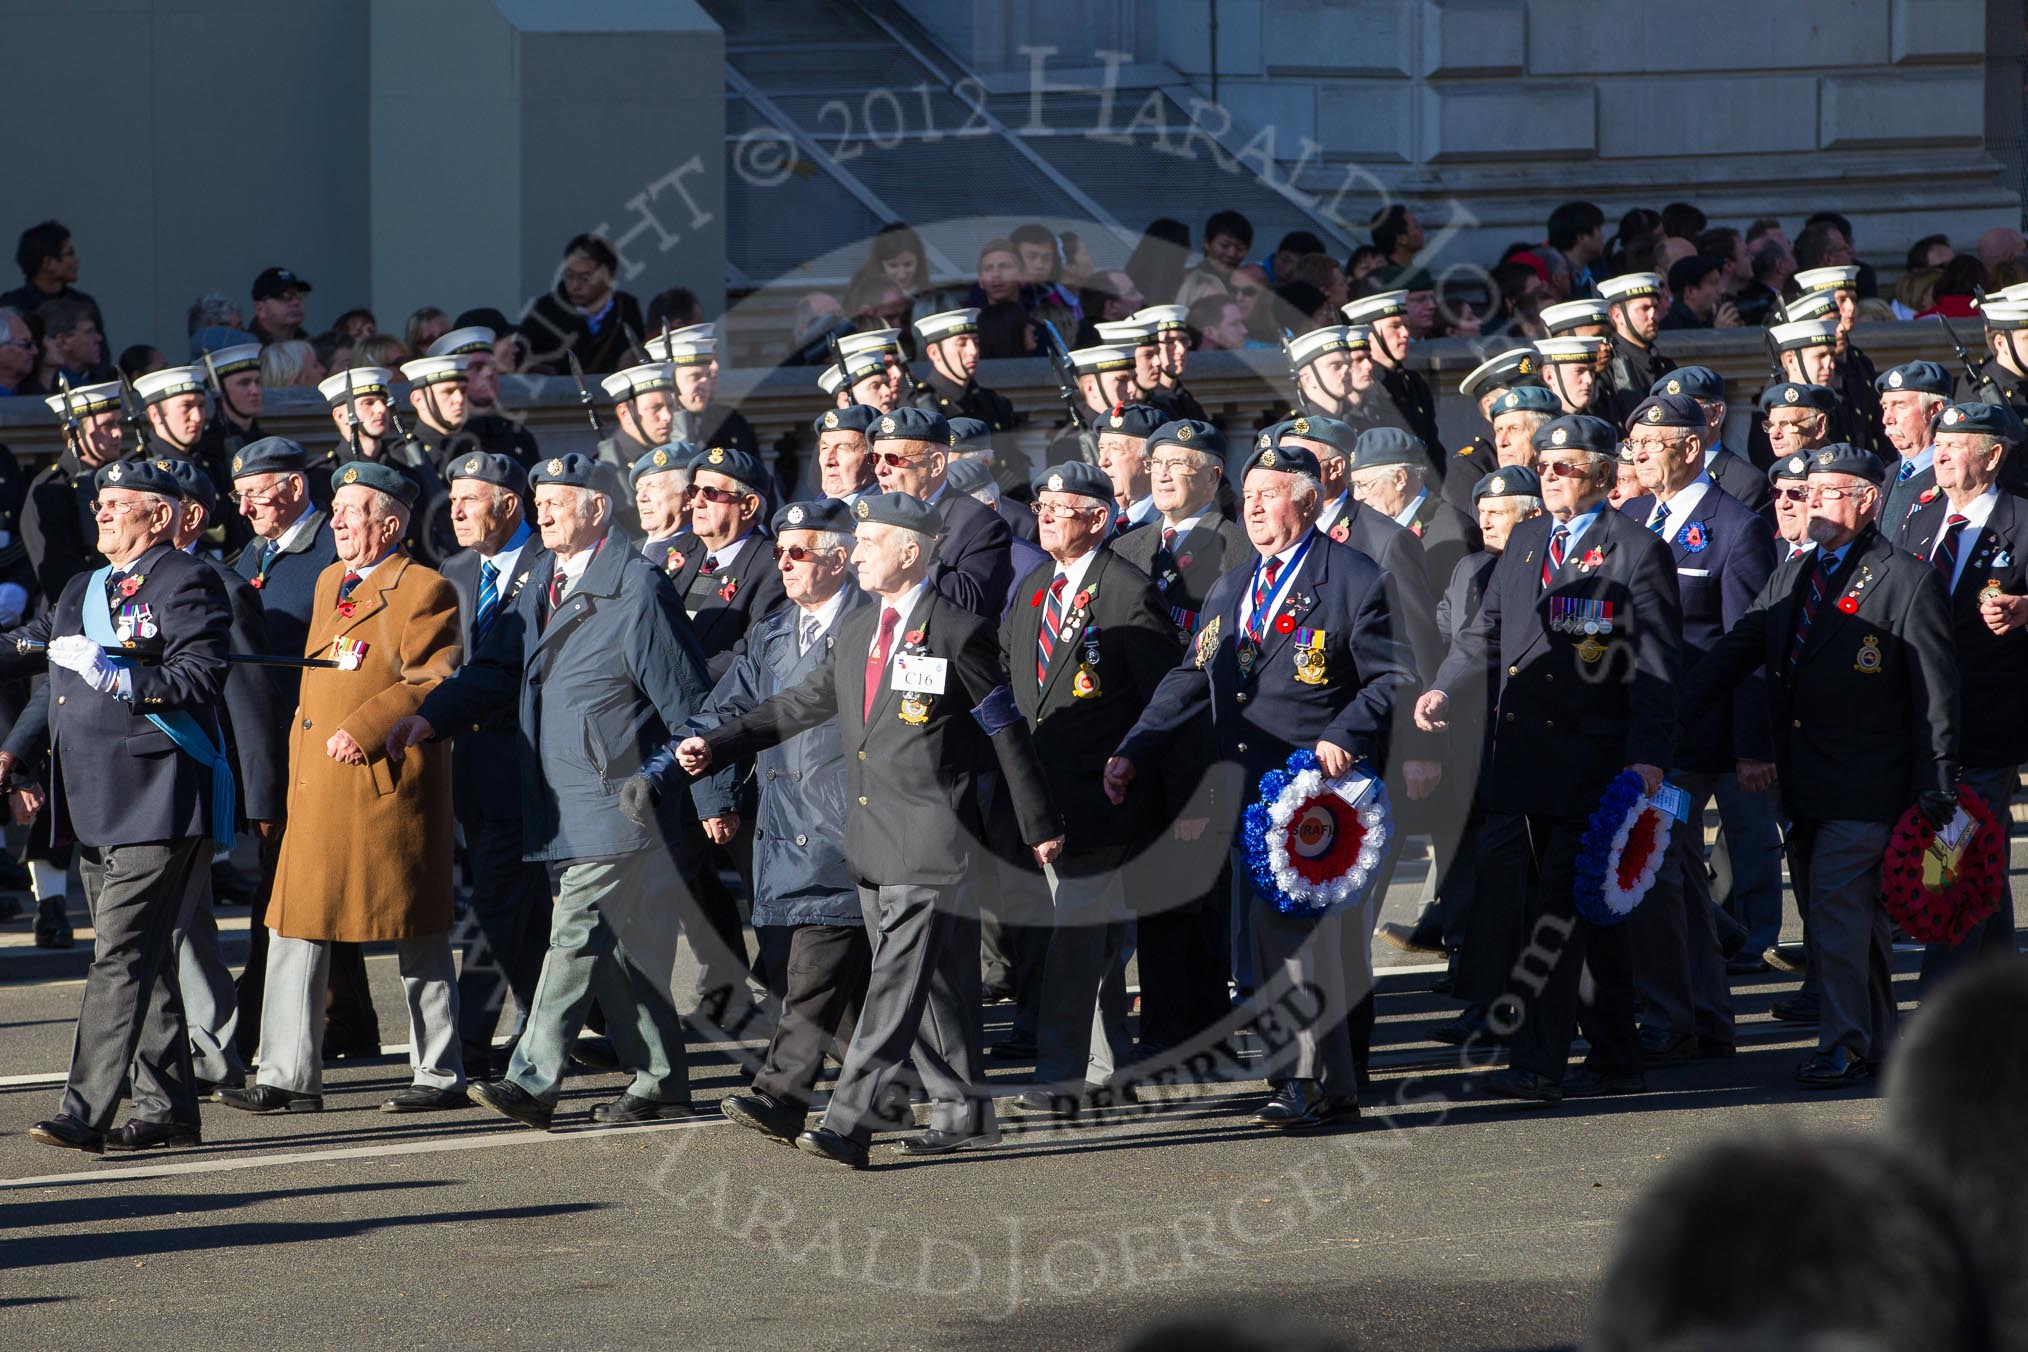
pixel 135 621
pixel 1084 683
pixel 1310 665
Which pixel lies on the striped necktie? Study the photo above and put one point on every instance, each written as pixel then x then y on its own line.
pixel 346 584
pixel 1820 586
pixel 1660 523
pixel 1045 637
pixel 1946 556
pixel 1261 591
pixel 489 601
pixel 1559 541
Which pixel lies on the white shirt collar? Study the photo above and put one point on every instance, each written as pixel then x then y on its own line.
pixel 1979 510
pixel 573 567
pixel 1073 573
pixel 1142 510
pixel 1406 516
pixel 825 615
pixel 904 606
pixel 1186 525
pixel 295 530
pixel 724 558
pixel 1684 505
pixel 504 559
pixel 367 571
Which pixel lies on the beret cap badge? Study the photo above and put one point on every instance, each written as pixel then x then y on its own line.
pixel 556 467
pixel 831 418
pixel 1675 387
pixel 351 476
pixel 1056 483
pixel 661 458
pixel 1267 459
pixel 795 514
pixel 1655 414
pixel 1790 396
pixel 887 424
pixel 1559 436
pixel 1183 433
pixel 863 510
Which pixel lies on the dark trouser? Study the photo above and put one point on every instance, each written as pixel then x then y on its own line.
pixel 1081 1028
pixel 132 1010
pixel 1183 965
pixel 1995 784
pixel 351 1017
pixel 1561 947
pixel 506 934
pixel 1836 864
pixel 1497 917
pixel 1679 968
pixel 823 970
pixel 1014 925
pixel 922 1001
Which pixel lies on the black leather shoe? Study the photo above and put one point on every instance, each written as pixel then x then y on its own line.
pixel 1834 1069
pixel 1469 1027
pixel 510 1100
pixel 1794 1009
pixel 626 1108
pixel 937 1141
pixel 1788 958
pixel 141 1135
pixel 1515 1083
pixel 765 1114
pixel 1013 1049
pixel 1292 1103
pixel 594 1053
pixel 1049 1103
pixel 829 1145
pixel 52 923
pixel 421 1098
pixel 1659 1048
pixel 1747 964
pixel 66 1132
pixel 210 1089
pixel 266 1098
pixel 1711 1049
pixel 1413 938
pixel 1584 1082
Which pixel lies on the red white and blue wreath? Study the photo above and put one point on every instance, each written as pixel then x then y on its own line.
pixel 1622 850
pixel 1315 844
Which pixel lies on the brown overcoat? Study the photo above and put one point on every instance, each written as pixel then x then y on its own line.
pixel 367 853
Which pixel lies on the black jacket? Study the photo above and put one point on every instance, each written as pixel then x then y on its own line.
pixel 486 752
pixel 749 588
pixel 1992 668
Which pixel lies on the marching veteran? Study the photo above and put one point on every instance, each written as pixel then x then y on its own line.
pixel 140 779
pixel 370 858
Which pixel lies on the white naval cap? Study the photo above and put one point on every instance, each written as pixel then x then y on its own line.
pixel 691 345
pixel 1630 286
pixel 1565 315
pixel 359 380
pixel 874 340
pixel 1305 348
pixel 435 370
pixel 1163 316
pixel 1092 360
pixel 1804 333
pixel 169 382
pixel 85 400
pixel 1569 351
pixel 1367 309
pixel 635 381
pixel 240 357
pixel 1810 305
pixel 945 324
pixel 1828 279
pixel 1130 332
pixel 463 342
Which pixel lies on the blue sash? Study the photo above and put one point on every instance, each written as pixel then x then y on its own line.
pixel 190 738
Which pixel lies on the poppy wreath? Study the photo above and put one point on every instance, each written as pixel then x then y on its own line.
pixel 1315 844
pixel 1621 851
pixel 1968 891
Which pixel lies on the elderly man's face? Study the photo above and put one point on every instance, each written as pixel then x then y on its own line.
pixel 571 519
pixel 662 501
pixel 886 556
pixel 842 462
pixel 1069 525
pixel 1499 516
pixel 1906 418
pixel 1513 435
pixel 721 507
pixel 362 524
pixel 1278 509
pixel 17 353
pixel 912 467
pixel 1125 461
pixel 481 512
pixel 1792 510
pixel 1793 429
pixel 1966 462
pixel 1179 479
pixel 130 523
pixel 1840 505
pixel 811 573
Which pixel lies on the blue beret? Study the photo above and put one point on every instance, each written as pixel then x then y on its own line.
pixel 1699 382
pixel 1527 399
pixel 970 432
pixel 1509 481
pixel 499 470
pixel 1920 377
pixel 1282 460
pixel 570 471
pixel 1842 458
pixel 898 509
pixel 269 455
pixel 1790 468
pixel 1191 435
pixel 1380 446
pixel 196 483
pixel 1336 433
pixel 373 474
pixel 1993 420
pixel 823 514
pixel 1667 410
pixel 142 475
pixel 909 423
pixel 968 475
pixel 663 459
pixel 1788 394
pixel 1133 420
pixel 736 464
pixel 852 418
pixel 1075 476
pixel 1577 431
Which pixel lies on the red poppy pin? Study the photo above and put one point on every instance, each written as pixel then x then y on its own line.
pixel 1849 604
pixel 257 582
pixel 1928 496
pixel 1285 624
pixel 1081 600
pixel 730 586
pixel 675 561
pixel 1341 533
pixel 1184 562
pixel 1592 559
pixel 131 584
pixel 912 636
pixel 1040 592
pixel 346 609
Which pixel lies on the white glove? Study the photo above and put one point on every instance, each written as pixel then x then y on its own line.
pixel 13 601
pixel 75 652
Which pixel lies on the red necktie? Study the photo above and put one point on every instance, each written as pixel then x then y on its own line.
pixel 1558 542
pixel 1045 638
pixel 1820 585
pixel 1946 556
pixel 876 660
pixel 1261 592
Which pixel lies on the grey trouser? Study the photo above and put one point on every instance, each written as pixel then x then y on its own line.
pixel 132 1012
pixel 584 962
pixel 1851 941
pixel 922 1001
pixel 1081 1031
pixel 210 1000
pixel 292 1012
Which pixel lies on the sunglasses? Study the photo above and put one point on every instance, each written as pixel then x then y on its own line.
pixel 718 495
pixel 1792 495
pixel 801 553
pixel 893 461
pixel 1563 469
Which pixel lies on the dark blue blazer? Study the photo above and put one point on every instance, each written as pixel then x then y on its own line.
pixel 289 593
pixel 756 590
pixel 1992 668
pixel 1259 719
pixel 977 543
pixel 118 779
pixel 1724 555
pixel 1563 727
pixel 256 719
pixel 800 876
pixel 486 753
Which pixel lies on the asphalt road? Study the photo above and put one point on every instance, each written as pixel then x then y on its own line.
pixel 1438 1221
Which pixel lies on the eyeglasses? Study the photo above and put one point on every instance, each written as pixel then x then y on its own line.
pixel 1817 491
pixel 1651 444
pixel 893 461
pixel 1563 469
pixel 801 553
pixel 1049 511
pixel 253 499
pixel 121 508
pixel 718 495
pixel 1173 466
pixel 1792 495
